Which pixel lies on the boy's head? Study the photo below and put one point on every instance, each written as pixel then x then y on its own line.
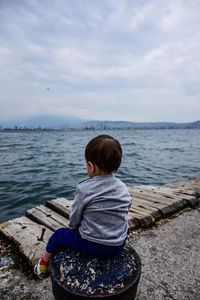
pixel 105 152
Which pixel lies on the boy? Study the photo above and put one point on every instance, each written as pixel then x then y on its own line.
pixel 98 220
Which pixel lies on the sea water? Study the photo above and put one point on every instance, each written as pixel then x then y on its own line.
pixel 36 166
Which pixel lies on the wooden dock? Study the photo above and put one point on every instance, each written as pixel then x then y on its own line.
pixel 30 233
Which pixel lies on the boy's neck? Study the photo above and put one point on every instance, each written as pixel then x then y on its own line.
pixel 94 170
pixel 103 173
pixel 100 173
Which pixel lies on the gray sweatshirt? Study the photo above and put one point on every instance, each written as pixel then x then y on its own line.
pixel 100 210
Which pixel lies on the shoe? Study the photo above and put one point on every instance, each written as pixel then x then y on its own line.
pixel 42 271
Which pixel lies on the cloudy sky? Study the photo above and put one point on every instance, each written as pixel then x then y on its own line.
pixel 134 60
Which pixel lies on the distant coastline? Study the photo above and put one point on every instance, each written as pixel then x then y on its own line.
pixel 92 129
pixel 69 123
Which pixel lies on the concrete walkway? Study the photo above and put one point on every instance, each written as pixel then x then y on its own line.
pixel 170 256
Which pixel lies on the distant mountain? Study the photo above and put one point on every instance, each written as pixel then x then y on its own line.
pixel 45 121
pixel 139 125
pixel 69 122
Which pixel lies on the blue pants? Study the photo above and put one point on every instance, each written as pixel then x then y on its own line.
pixel 66 238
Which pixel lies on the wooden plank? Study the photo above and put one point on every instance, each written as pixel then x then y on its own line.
pixel 132 222
pixel 154 212
pixel 178 196
pixel 60 205
pixel 171 208
pixel 166 188
pixel 141 212
pixel 160 202
pixel 178 190
pixel 192 200
pixel 26 235
pixel 152 196
pixel 158 196
pixel 185 196
pixel 147 202
pixel 173 204
pixel 174 193
pixel 45 216
pixel 144 221
pixel 167 208
pixel 143 187
pixel 192 183
pixel 179 202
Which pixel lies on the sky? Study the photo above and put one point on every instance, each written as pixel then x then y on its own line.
pixel 131 60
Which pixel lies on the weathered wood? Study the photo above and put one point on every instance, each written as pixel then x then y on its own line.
pixel 150 194
pixel 60 205
pixel 26 235
pixel 192 200
pixel 45 216
pixel 160 201
pixel 176 194
pixel 144 220
pixel 141 212
pixel 154 212
pixel 178 190
pixel 192 183
pixel 183 197
pixel 168 205
pixel 132 222
pixel 147 202
pixel 159 196
pixel 157 201
pixel 184 194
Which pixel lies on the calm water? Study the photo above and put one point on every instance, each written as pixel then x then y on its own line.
pixel 39 166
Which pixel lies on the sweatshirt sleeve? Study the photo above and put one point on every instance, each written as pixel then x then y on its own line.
pixel 76 211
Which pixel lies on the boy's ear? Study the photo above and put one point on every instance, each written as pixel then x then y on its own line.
pixel 92 166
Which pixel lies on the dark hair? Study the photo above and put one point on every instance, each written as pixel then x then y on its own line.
pixel 105 152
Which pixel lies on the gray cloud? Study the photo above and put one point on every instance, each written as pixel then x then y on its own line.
pixel 114 59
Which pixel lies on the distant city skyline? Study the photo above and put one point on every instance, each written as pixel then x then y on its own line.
pixel 127 60
pixel 55 122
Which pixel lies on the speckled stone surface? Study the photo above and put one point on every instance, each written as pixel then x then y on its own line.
pixel 84 275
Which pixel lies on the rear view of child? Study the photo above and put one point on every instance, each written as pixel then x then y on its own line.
pixel 98 222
